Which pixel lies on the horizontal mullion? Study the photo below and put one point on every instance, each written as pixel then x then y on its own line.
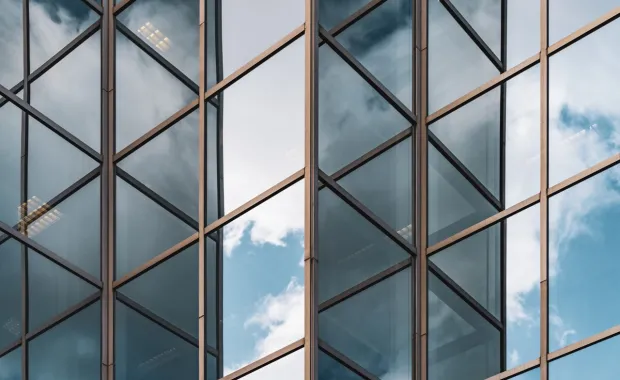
pixel 585 174
pixel 94 6
pixel 265 361
pixel 585 343
pixel 346 361
pixel 516 370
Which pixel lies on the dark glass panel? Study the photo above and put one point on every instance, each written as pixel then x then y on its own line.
pixel 168 165
pixel 211 297
pixel 373 328
pixel 485 17
pixel 523 34
pixel 212 202
pixel 72 229
pixel 583 130
pixel 461 343
pixel 290 367
pixel 212 66
pixel 333 12
pixel 10 162
pixel 211 367
pixel 566 16
pixel 53 24
pixel 144 350
pixel 353 117
pixel 388 195
pixel 456 64
pixel 11 43
pixel 583 259
pixel 262 126
pixel 70 92
pixel 146 93
pixel 170 28
pixel 350 248
pixel 11 365
pixel 263 283
pixel 10 293
pixel 596 362
pixel 330 369
pixel 453 202
pixel 70 350
pixel 53 165
pixel 143 228
pixel 52 289
pixel 170 290
pixel 381 41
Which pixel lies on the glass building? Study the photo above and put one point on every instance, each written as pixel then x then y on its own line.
pixel 309 189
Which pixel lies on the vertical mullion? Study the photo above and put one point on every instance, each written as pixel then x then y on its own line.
pixel 202 176
pixel 416 8
pixel 502 184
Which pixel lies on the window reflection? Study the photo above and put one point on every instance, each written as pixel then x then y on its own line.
pixel 11 45
pixel 10 163
pixel 289 367
pixel 10 293
pixel 523 30
pixel 485 18
pixel 11 365
pixel 566 16
pixel 596 362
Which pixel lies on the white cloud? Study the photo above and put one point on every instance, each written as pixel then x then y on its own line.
pixel 514 358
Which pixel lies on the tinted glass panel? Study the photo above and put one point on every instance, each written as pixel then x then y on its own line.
pixel 211 301
pixel 213 190
pixel 10 162
pixel 11 45
pixel 484 16
pixel 289 367
pixel 330 369
pixel 144 350
pixel 529 375
pixel 583 262
pixel 11 365
pixel 583 129
pixel 71 350
pixel 10 293
pixel 594 362
pixel 523 37
pixel 211 367
pixel 566 16
pixel 333 12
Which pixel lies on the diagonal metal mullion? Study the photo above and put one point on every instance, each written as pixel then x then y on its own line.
pixel 157 57
pixel 161 201
pixel 346 361
pixel 10 347
pixel 353 18
pixel 94 6
pixel 121 5
pixel 161 322
pixel 471 32
pixel 367 76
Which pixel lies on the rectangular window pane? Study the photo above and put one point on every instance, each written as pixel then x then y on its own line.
pixel 595 362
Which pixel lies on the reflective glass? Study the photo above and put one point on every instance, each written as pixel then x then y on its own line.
pixel 381 41
pixel 373 328
pixel 333 12
pixel 523 30
pixel 566 16
pixel 10 293
pixel 595 362
pixel 453 202
pixel 168 165
pixel 262 126
pixel 53 24
pixel 146 93
pixel 72 229
pixel 583 129
pixel 583 259
pixel 533 374
pixel 11 43
pixel 53 165
pixel 330 369
pixel 485 17
pixel 250 27
pixel 389 194
pixel 353 117
pixel 213 190
pixel 144 350
pixel 456 64
pixel 70 350
pixel 211 367
pixel 290 367
pixel 143 228
pixel 211 17
pixel 211 289
pixel 350 248
pixel 170 290
pixel 52 289
pixel 170 28
pixel 11 365
pixel 10 162
pixel 70 92
pixel 263 284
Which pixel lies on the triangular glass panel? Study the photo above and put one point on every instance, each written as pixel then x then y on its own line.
pixel 289 367
pixel 70 92
pixel 373 328
pixel 170 28
pixel 351 249
pixel 10 163
pixel 53 165
pixel 11 365
pixel 170 290
pixel 168 165
pixel 146 93
pixel 389 194
pixel 455 63
pixel 52 289
pixel 70 350
pixel 11 44
pixel 10 292
pixel 143 228
pixel 333 12
pixel 353 117
pixel 485 17
pixel 330 369
pixel 144 350
pixel 72 228
pixel 472 134
pixel 54 24
pixel 453 202
pixel 381 41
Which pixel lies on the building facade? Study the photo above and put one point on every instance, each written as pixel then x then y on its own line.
pixel 309 189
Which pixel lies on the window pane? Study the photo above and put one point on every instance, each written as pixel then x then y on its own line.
pixel 389 194
pixel 11 365
pixel 213 185
pixel 350 248
pixel 170 28
pixel 11 45
pixel 170 290
pixel 70 92
pixel 486 19
pixel 533 374
pixel 333 12
pixel 10 293
pixel 523 34
pixel 289 367
pixel 211 296
pixel 70 350
pixel 10 162
pixel 566 16
pixel 583 259
pixel 211 367
pixel 143 228
pixel 52 289
pixel 596 362
pixel 583 129
pixel 373 328
pixel 330 369
pixel 263 284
